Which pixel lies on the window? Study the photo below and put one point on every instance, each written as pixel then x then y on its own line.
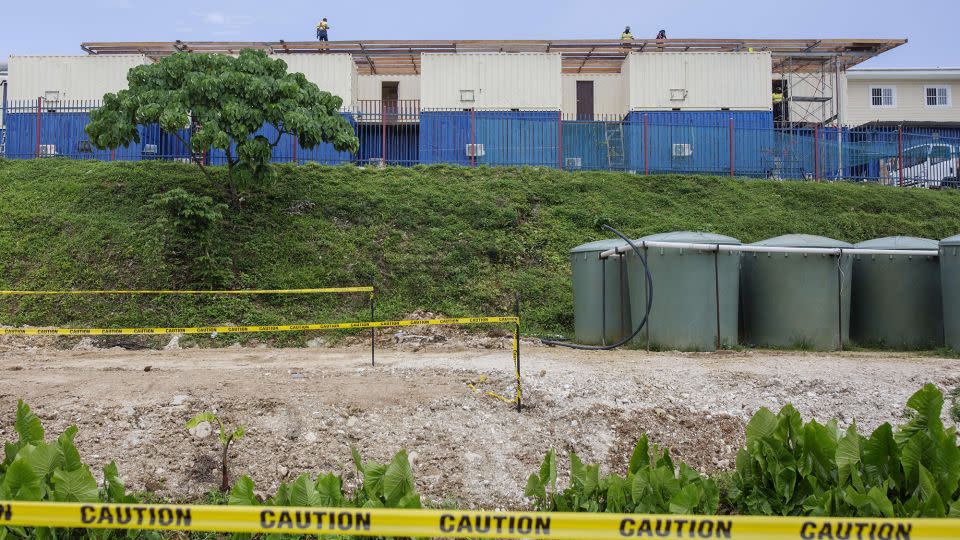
pixel 883 96
pixel 938 96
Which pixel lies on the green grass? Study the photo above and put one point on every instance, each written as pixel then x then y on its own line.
pixel 451 240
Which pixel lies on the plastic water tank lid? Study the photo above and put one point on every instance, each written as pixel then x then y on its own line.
pixel 692 237
pixel 898 242
pixel 951 241
pixel 802 241
pixel 598 246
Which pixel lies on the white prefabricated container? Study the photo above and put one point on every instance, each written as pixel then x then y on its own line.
pixel 59 78
pixel 370 87
pixel 527 81
pixel 609 96
pixel 334 73
pixel 663 81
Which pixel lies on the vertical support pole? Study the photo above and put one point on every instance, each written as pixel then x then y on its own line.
pixel 373 334
pixel 113 154
pixel 900 153
pixel 840 299
pixel 473 138
pixel 716 288
pixel 560 140
pixel 816 153
pixel 603 301
pixel 731 147
pixel 646 146
pixel 383 133
pixel 296 143
pixel 837 95
pixel 39 104
pixel 516 351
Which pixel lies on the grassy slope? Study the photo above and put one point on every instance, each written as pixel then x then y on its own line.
pixel 450 240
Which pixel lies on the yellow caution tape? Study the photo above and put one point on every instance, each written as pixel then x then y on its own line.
pixel 465 524
pixel 248 329
pixel 326 290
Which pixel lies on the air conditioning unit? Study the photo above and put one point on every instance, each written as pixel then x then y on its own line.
pixel 572 163
pixel 84 147
pixel 376 162
pixel 149 149
pixel 475 150
pixel 51 96
pixel 682 150
pixel 678 94
pixel 48 150
pixel 467 95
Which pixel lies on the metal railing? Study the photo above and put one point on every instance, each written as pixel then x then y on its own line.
pixel 401 133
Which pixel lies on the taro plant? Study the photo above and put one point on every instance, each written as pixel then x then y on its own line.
pixel 226 437
pixel 653 484
pixel 34 469
pixel 789 467
pixel 385 486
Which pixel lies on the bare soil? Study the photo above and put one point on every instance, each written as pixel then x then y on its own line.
pixel 305 408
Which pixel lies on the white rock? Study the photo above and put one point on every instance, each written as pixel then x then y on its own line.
pixel 352 421
pixel 310 437
pixel 282 470
pixel 317 343
pixel 179 399
pixel 127 411
pixel 85 344
pixel 173 344
pixel 201 430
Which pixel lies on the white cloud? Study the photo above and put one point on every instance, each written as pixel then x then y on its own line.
pixel 219 18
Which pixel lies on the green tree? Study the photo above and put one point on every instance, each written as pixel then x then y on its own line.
pixel 225 100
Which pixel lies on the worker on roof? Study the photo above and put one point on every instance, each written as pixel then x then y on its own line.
pixel 626 35
pixel 662 34
pixel 322 28
pixel 777 98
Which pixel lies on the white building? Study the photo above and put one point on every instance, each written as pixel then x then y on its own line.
pixel 902 95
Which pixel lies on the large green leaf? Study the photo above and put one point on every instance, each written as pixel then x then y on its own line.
pixel 330 490
pixel 641 455
pixel 21 483
pixel 71 457
pixel 398 479
pixel 686 500
pixel 242 493
pixel 761 425
pixel 27 425
pixel 303 492
pixel 42 457
pixel 74 486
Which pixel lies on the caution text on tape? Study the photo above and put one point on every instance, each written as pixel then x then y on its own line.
pixel 465 524
pixel 249 329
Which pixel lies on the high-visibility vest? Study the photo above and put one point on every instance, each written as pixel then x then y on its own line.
pixel 322 25
pixel 626 35
pixel 777 97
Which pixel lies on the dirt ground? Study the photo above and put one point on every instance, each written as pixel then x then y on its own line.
pixel 305 408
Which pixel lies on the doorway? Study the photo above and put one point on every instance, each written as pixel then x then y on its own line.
pixel 389 95
pixel 584 100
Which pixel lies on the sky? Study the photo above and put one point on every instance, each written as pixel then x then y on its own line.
pixel 59 26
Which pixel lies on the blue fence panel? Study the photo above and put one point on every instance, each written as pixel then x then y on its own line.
pixel 594 145
pixel 507 137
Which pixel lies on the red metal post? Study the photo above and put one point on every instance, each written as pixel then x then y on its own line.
pixel 39 104
pixel 473 138
pixel 560 140
pixel 113 154
pixel 731 147
pixel 295 145
pixel 816 154
pixel 900 152
pixel 646 146
pixel 383 133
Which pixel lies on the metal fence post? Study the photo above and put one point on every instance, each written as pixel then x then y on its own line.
pixel 39 104
pixel 900 152
pixel 731 147
pixel 516 348
pixel 646 146
pixel 816 154
pixel 383 133
pixel 473 138
pixel 295 145
pixel 560 140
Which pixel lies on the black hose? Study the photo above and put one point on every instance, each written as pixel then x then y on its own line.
pixel 648 282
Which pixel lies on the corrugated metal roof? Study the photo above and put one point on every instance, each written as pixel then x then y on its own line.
pixel 579 56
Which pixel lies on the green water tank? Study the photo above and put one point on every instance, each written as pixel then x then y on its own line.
pixel 950 283
pixel 896 298
pixel 695 293
pixel 601 313
pixel 797 299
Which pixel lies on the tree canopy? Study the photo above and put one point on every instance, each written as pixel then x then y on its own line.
pixel 224 101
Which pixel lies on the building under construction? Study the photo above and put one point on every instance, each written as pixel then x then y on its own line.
pixel 766 107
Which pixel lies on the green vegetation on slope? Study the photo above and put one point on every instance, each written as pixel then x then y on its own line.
pixel 450 240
